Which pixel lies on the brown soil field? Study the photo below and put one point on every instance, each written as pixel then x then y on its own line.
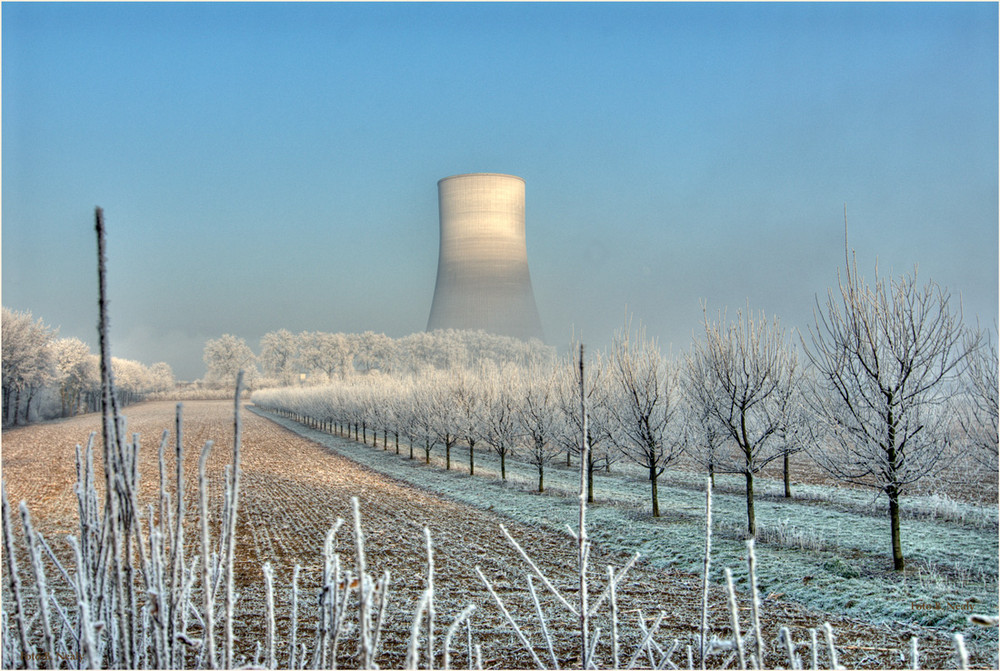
pixel 294 490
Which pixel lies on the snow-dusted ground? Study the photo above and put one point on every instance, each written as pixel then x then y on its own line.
pixel 828 551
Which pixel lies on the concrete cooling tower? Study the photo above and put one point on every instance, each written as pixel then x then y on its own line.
pixel 482 279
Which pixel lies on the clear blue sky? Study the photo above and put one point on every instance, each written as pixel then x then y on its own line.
pixel 267 166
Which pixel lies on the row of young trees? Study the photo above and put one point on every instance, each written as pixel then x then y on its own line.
pixel 891 386
pixel 314 357
pixel 46 376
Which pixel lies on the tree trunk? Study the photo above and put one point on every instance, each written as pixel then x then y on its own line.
pixel 751 521
pixel 541 478
pixel 472 458
pixel 898 563
pixel 590 478
pixel 788 482
pixel 711 473
pixel 653 475
pixel 447 452
pixel 427 450
pixel 893 488
pixel 17 403
pixel 503 466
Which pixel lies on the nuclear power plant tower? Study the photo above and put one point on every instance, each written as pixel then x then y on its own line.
pixel 482 279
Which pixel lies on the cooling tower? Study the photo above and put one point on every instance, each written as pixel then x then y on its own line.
pixel 482 279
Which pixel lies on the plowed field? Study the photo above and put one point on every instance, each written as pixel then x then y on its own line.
pixel 294 490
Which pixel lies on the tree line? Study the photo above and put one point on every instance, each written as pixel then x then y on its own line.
pixel 314 357
pixel 886 388
pixel 45 376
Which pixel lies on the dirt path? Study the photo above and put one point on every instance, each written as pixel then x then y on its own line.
pixel 293 492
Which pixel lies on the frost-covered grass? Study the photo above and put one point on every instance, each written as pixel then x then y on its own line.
pixel 828 551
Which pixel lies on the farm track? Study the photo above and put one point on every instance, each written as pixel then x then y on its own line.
pixel 293 490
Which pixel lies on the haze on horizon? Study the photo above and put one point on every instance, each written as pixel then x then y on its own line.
pixel 274 165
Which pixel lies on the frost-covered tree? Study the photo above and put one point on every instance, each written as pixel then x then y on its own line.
pixel 887 358
pixel 76 371
pixel 28 362
pixel 373 351
pixel 468 393
pixel 742 374
pixel 425 416
pixel 501 426
pixel 329 354
pixel 132 380
pixel 599 419
pixel 537 412
pixel 977 405
pixel 445 414
pixel 793 427
pixel 645 405
pixel 224 357
pixel 279 354
pixel 162 376
pixel 702 435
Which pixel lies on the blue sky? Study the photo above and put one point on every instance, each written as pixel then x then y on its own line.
pixel 267 166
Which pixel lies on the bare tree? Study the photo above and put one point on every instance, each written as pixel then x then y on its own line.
pixel 537 414
pixel 792 426
pixel 887 357
pixel 742 374
pixel 702 436
pixel 446 416
pixel 599 421
pixel 501 426
pixel 468 395
pixel 645 405
pixel 977 411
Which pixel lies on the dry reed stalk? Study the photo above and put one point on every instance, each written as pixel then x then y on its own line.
pixel 230 532
pixel 707 566
pixel 364 596
pixel 828 630
pixel 269 604
pixel 293 633
pixel 413 647
pixel 462 617
pixel 510 620
pixel 89 657
pixel 38 571
pixel 734 618
pixel 963 656
pixel 541 620
pixel 430 599
pixel 14 578
pixel 755 603
pixel 545 581
pixel 208 603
